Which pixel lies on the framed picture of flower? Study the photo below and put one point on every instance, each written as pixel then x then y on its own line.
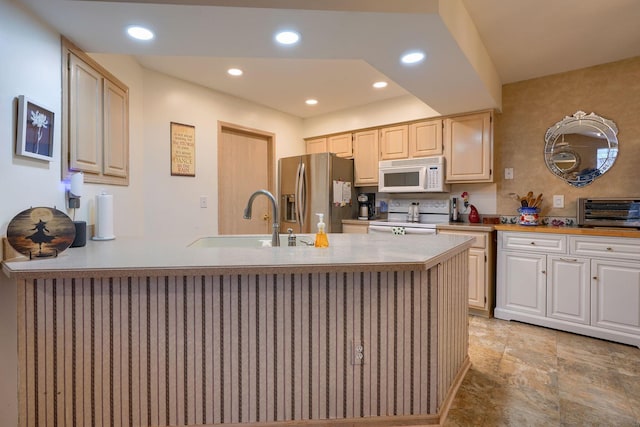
pixel 35 130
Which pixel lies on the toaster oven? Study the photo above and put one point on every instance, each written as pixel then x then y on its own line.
pixel 608 212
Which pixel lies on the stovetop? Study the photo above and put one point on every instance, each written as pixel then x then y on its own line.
pixel 432 212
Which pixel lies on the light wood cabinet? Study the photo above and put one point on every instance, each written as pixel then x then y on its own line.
pixel 425 138
pixel 350 227
pixel 481 271
pixel 394 142
pixel 468 148
pixel 95 135
pixel 584 284
pixel 341 145
pixel 365 157
pixel 316 145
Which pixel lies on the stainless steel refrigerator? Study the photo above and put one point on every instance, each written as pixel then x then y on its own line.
pixel 315 183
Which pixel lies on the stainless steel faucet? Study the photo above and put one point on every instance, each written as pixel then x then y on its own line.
pixel 275 235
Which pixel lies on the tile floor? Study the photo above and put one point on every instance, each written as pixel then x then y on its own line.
pixel 524 375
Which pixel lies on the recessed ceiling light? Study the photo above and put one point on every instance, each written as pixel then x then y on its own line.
pixel 234 71
pixel 140 33
pixel 380 85
pixel 311 101
pixel 412 57
pixel 287 37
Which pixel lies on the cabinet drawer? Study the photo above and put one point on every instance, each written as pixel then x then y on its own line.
pixel 534 242
pixel 605 247
pixel 481 238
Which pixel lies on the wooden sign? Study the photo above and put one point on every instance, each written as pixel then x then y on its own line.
pixel 183 149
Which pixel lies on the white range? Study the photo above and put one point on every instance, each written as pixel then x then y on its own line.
pixel 400 221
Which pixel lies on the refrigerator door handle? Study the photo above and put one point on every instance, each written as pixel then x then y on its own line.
pixel 302 191
pixel 298 195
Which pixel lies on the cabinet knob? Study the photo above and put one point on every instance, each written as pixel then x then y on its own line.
pixel 609 249
pixel 533 243
pixel 543 272
pixel 595 277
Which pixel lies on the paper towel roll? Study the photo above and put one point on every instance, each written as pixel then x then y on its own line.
pixel 104 214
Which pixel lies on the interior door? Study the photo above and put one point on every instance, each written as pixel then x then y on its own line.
pixel 245 164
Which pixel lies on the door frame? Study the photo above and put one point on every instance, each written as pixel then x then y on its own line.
pixel 271 141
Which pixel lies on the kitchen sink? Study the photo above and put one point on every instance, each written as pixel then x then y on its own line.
pixel 242 241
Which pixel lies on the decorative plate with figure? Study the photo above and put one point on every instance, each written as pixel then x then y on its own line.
pixel 41 232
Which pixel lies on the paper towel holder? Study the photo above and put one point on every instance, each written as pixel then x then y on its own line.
pixel 75 190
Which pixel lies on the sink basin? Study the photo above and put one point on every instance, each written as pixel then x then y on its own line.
pixel 243 241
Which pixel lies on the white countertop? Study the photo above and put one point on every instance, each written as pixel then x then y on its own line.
pixel 347 252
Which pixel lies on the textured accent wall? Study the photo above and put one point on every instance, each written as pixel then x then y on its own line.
pixel 191 350
pixel 530 107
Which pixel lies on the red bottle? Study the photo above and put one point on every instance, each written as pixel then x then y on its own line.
pixel 474 216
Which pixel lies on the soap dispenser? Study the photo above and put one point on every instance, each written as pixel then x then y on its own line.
pixel 321 236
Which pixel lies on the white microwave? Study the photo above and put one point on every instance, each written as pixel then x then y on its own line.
pixel 419 175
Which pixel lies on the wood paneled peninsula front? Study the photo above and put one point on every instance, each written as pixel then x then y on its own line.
pixel 370 331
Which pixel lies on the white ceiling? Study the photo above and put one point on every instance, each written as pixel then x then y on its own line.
pixel 346 45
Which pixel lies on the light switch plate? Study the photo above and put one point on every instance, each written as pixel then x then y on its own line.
pixel 558 201
pixel 508 173
pixel 203 201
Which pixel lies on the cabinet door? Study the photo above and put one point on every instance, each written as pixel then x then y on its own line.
pixel 615 295
pixel 425 138
pixel 394 142
pixel 477 282
pixel 356 228
pixel 365 157
pixel 568 289
pixel 116 131
pixel 521 282
pixel 468 148
pixel 85 117
pixel 316 145
pixel 341 145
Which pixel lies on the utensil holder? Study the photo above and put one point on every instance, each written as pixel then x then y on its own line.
pixel 528 216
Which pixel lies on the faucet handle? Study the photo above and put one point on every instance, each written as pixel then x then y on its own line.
pixel 291 239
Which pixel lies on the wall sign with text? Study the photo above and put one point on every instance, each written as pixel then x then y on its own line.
pixel 183 149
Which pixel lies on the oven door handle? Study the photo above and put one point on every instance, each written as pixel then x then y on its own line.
pixel 407 230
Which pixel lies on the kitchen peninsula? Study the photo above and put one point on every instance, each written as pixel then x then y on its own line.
pixel 369 331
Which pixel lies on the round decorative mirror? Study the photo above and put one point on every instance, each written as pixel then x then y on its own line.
pixel 580 148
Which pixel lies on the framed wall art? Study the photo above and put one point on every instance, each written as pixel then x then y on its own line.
pixel 35 130
pixel 183 149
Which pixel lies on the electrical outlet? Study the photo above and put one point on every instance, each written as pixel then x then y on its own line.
pixel 558 201
pixel 508 173
pixel 357 350
pixel 203 201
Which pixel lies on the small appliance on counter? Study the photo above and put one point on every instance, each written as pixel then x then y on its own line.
pixel 366 206
pixel 609 212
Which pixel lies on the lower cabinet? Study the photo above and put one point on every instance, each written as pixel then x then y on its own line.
pixel 481 271
pixel 351 227
pixel 583 284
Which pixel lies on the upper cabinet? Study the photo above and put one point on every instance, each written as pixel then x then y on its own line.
pixel 394 142
pixel 95 136
pixel 316 145
pixel 468 148
pixel 425 138
pixel 365 157
pixel 341 144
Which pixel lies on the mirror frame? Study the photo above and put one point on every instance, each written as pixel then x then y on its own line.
pixel 568 125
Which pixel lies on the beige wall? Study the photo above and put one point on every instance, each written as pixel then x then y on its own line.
pixel 531 107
